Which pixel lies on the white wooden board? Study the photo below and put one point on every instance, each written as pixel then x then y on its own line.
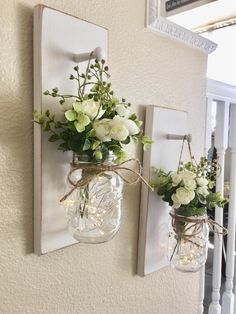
pixel 154 213
pixel 57 37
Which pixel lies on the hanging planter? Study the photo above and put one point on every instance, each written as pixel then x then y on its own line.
pixel 95 126
pixel 188 241
pixel 190 193
pixel 93 200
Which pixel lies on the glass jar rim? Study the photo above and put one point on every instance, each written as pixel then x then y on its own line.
pixel 173 211
pixel 84 158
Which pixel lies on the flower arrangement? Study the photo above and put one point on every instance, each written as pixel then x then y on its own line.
pixel 94 121
pixel 189 190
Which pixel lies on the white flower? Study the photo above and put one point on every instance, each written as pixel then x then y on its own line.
pixel 130 125
pixel 202 181
pixel 119 132
pixel 176 178
pixel 189 184
pixel 102 128
pixel 90 107
pixel 183 196
pixel 122 110
pixel 188 175
pixel 118 129
pixel 70 115
pixel 202 190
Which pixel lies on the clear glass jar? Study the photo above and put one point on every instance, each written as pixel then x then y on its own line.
pixel 94 210
pixel 188 242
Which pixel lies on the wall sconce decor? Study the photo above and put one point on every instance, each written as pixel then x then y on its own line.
pixel 91 127
pixel 188 190
pixel 59 39
pixel 154 213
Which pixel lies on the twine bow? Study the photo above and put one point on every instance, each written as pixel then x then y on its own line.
pixel 196 226
pixel 93 171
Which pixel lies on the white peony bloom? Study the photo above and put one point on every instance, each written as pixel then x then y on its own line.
pixel 183 196
pixel 102 129
pixel 176 178
pixel 202 190
pixel 189 184
pixel 90 108
pixel 122 110
pixel 202 181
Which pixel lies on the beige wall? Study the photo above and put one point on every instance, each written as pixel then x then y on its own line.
pixel 146 69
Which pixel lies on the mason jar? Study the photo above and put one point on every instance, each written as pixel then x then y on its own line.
pixel 94 209
pixel 188 242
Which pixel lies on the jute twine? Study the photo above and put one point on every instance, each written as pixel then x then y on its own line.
pixel 95 170
pixel 196 226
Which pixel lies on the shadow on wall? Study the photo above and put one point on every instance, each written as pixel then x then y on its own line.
pixel 24 103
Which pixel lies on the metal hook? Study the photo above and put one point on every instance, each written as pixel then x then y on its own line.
pixel 187 137
pixel 97 53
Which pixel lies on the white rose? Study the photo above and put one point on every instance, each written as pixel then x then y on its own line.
pixel 189 184
pixel 176 204
pixel 188 175
pixel 90 108
pixel 202 190
pixel 122 110
pixel 130 125
pixel 119 132
pixel 102 129
pixel 176 178
pixel 202 181
pixel 183 196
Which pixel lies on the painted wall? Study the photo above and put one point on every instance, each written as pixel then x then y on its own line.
pixel 146 69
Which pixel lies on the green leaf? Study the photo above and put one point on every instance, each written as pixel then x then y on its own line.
pixel 57 125
pixel 87 145
pixel 135 139
pixel 64 135
pixel 47 126
pixel 98 155
pixel 126 141
pixel 74 144
pixel 91 133
pixel 63 146
pixel 53 138
pixel 38 117
pixel 133 117
pixel 95 145
pixel 47 113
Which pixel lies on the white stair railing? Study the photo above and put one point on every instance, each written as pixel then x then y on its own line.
pixel 206 149
pixel 221 143
pixel 228 296
pixel 224 96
